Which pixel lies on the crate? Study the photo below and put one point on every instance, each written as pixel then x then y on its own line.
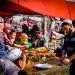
pixel 52 45
pixel 58 42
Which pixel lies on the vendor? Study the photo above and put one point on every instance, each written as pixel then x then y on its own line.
pixel 69 46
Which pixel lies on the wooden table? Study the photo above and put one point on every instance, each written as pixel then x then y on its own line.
pixel 55 70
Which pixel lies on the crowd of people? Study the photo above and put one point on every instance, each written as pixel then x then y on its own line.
pixel 12 47
pixel 13 44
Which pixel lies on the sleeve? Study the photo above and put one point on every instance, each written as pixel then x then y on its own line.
pixel 6 40
pixel 11 69
pixel 29 45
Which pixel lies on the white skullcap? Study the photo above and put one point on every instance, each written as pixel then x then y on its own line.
pixel 14 54
pixel 57 18
pixel 68 21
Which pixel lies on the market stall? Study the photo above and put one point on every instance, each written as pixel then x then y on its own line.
pixel 40 61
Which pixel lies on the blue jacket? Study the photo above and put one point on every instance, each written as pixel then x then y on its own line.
pixel 2 47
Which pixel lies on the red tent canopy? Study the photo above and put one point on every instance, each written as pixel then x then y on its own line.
pixel 10 8
pixel 57 8
pixel 5 14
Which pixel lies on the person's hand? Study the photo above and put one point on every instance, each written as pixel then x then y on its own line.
pixel 23 46
pixel 66 61
pixel 26 46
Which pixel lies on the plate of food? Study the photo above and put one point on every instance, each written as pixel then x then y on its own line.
pixel 43 66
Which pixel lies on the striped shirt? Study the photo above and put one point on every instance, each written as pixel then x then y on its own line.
pixel 69 44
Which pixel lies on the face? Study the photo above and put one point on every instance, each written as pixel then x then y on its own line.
pixel 39 35
pixel 66 29
pixel 13 35
pixel 22 63
pixel 7 31
pixel 24 39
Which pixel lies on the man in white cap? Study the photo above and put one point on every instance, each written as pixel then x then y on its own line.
pixel 19 58
pixel 14 64
pixel 68 21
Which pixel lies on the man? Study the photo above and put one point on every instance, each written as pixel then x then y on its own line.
pixel 19 58
pixel 14 64
pixel 40 39
pixel 69 46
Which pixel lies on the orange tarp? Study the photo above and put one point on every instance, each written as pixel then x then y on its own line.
pixel 5 14
pixel 9 7
pixel 57 8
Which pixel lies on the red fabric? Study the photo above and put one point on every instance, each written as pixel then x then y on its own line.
pixel 3 14
pixel 72 9
pixel 15 9
pixel 22 48
pixel 56 8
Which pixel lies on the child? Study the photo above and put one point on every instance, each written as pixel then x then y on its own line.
pixel 12 44
pixel 24 42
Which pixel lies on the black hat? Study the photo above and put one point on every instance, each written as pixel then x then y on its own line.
pixel 38 30
pixel 73 22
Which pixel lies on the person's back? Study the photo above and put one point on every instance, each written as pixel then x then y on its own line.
pixel 8 67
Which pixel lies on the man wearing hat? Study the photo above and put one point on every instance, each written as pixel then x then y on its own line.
pixel 16 55
pixel 40 39
pixel 69 46
pixel 18 58
pixel 14 63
